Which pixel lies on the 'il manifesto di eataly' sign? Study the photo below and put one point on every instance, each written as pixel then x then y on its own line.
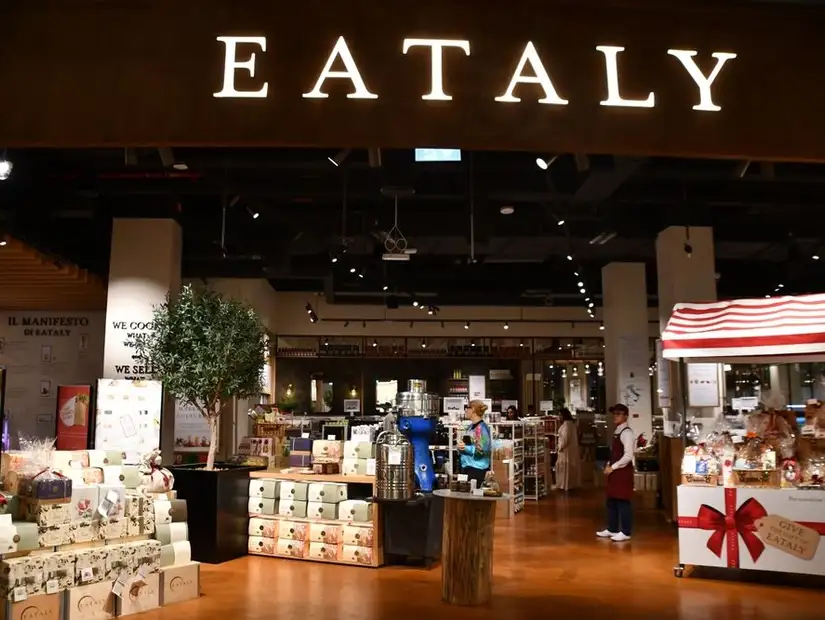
pixel 243 54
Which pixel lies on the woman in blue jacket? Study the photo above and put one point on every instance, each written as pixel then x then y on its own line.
pixel 475 456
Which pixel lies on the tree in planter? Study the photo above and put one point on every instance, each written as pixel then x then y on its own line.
pixel 205 349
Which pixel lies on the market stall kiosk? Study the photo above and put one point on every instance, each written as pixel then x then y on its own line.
pixel 758 506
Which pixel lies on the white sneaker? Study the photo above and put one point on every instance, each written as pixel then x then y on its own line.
pixel 606 534
pixel 620 537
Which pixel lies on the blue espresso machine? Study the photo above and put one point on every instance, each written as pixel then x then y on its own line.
pixel 418 414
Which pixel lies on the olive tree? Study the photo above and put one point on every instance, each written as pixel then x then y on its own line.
pixel 205 349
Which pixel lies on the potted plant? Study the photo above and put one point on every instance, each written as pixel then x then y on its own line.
pixel 207 350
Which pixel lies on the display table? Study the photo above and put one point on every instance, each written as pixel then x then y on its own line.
pixel 467 547
pixel 766 529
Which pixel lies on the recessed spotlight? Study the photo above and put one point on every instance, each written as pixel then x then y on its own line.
pixel 361 275
pixel 5 169
pixel 506 210
pixel 581 283
pixel 560 223
pixel 582 291
pixel 334 259
pixel 570 257
pixel 415 304
pixel 815 257
pixel 780 286
pixel 385 287
pixel 590 305
pixel 352 270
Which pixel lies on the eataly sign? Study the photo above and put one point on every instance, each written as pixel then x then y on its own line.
pixel 530 70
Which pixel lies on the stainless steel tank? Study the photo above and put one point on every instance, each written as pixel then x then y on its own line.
pixel 417 404
pixel 416 385
pixel 394 466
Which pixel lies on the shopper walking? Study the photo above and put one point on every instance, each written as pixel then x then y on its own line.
pixel 475 448
pixel 568 463
pixel 619 473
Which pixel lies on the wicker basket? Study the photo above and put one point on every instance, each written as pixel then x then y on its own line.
pixel 760 478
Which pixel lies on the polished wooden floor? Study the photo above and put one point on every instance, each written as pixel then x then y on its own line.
pixel 548 564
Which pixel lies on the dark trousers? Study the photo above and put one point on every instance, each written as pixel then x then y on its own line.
pixel 475 474
pixel 619 516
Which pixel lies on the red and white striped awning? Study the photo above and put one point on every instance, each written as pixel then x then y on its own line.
pixel 774 326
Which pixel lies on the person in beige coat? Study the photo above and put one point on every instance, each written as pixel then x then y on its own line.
pixel 568 465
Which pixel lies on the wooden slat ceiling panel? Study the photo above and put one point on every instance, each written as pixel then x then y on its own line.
pixel 30 280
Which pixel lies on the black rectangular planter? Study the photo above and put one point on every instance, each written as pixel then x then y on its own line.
pixel 217 503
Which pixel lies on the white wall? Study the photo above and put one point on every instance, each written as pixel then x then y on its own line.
pixel 292 320
pixel 63 348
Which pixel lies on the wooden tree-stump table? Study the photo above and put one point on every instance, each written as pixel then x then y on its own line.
pixel 467 547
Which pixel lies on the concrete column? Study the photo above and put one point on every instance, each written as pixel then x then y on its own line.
pixel 144 267
pixel 686 268
pixel 627 348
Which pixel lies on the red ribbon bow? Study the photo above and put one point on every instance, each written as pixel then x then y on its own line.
pixel 730 526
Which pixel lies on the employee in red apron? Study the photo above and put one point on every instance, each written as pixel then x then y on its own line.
pixel 619 473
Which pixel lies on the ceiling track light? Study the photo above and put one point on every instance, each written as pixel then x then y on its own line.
pixel 308 308
pixel 253 214
pixel 339 158
pixel 570 257
pixel 374 343
pixel 467 325
pixel 5 167
pixel 423 344
pixel 506 326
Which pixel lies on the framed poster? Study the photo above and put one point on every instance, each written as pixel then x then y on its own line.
pixel 74 415
pixel 191 429
pixel 703 385
pixel 352 405
pixel 128 416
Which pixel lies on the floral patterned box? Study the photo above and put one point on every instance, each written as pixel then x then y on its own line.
pixel 90 565
pixel 55 535
pixel 85 531
pixel 29 571
pixel 46 514
pixel 60 567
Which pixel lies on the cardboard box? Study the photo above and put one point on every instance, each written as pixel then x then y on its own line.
pixel 140 598
pixel 179 583
pixel 42 607
pixel 92 602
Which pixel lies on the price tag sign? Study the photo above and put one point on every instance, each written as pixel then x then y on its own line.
pixel 394 455
pixel 462 477
pixel 478 492
pixel 119 586
pixel 20 594
pixel 86 574
pixel 370 467
pixel 331 438
pixel 52 586
pixel 304 435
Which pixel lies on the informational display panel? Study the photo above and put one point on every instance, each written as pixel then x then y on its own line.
pixel 191 428
pixel 128 416
pixel 74 416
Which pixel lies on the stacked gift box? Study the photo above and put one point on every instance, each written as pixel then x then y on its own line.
pixel 172 530
pixel 91 518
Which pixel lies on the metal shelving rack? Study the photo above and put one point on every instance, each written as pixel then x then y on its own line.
pixel 536 460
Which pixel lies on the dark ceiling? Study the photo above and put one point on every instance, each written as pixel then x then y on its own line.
pixel 766 218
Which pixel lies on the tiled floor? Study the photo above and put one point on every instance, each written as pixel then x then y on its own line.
pixel 548 564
